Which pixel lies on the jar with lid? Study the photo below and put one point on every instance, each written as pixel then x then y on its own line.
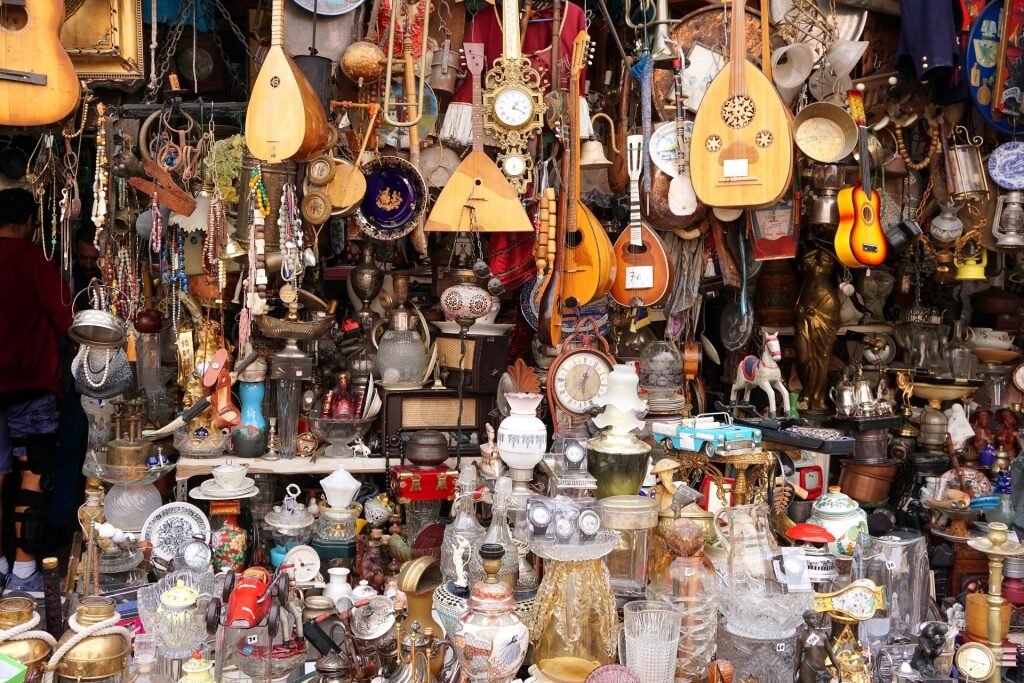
pixel 332 668
pixel 197 670
pixel 290 523
pixel 35 646
pixel 844 519
pixel 631 517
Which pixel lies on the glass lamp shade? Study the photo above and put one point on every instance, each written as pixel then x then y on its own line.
pixel 661 368
pixel 465 303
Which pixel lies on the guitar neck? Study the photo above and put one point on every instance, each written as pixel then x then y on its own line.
pixel 573 188
pixel 277 24
pixel 510 29
pixel 478 115
pixel 737 49
pixel 865 162
pixel 680 124
pixel 556 38
pixel 635 236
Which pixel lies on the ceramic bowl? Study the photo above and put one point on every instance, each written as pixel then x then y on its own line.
pixel 230 475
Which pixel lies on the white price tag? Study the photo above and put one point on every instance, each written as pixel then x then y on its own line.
pixel 812 640
pixel 890 565
pixel 639 277
pixel 781 647
pixel 736 168
pixel 252 640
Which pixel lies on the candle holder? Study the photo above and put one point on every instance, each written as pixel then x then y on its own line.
pixel 997 547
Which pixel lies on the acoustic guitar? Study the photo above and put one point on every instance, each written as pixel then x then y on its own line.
pixel 860 240
pixel 285 119
pixel 38 83
pixel 741 149
pixel 641 265
pixel 478 196
pixel 584 266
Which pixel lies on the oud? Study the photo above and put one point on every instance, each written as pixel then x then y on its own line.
pixel 38 83
pixel 285 119
pixel 741 149
pixel 641 265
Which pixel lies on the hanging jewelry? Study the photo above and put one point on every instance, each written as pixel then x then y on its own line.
pixel 156 234
pixel 933 134
pixel 259 190
pixel 102 172
pixel 87 371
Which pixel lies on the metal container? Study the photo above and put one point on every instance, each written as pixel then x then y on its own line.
pixel 870 446
pixel 274 178
pixel 32 652
pixel 95 657
pixel 867 483
pixel 426 448
pixel 631 517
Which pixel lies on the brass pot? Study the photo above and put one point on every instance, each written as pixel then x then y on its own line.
pixel 32 652
pixel 96 657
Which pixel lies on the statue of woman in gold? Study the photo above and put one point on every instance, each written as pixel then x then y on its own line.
pixel 817 324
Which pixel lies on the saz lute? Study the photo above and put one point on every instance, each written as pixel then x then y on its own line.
pixel 741 149
pixel 478 196
pixel 285 119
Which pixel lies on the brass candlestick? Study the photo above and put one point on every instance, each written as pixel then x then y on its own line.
pixel 997 547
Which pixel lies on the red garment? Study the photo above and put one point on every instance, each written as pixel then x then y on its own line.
pixel 485 28
pixel 32 316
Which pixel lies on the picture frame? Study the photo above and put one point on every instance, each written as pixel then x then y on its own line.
pixel 104 38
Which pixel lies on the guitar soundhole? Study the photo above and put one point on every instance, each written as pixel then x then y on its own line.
pixel 866 212
pixel 738 111
pixel 573 239
pixel 274 82
pixel 13 18
pixel 636 249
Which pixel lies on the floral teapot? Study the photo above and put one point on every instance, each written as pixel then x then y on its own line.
pixel 843 518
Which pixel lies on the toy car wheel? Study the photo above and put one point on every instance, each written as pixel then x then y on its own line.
pixel 708 450
pixel 213 616
pixel 229 584
pixel 273 620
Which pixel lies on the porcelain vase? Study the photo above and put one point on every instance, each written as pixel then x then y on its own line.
pixel 522 436
pixel 338 585
pixel 229 544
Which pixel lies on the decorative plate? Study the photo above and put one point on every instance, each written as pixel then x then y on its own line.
pixel 199 494
pixel 475 330
pixel 329 8
pixel 395 197
pixel 173 525
pixel 212 487
pixel 980 64
pixel 1006 165
pixel 977 483
pixel 664 149
pixel 399 137
pixel 612 673
pixel 530 308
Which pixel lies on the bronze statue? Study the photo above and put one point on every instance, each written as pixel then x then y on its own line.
pixel 929 646
pixel 813 651
pixel 817 325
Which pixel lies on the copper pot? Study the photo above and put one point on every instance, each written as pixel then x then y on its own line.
pixel 426 448
pixel 204 286
pixel 867 483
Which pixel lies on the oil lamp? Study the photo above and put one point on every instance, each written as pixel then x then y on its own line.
pixel 1008 224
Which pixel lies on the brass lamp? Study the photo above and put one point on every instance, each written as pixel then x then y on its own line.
pixel 997 546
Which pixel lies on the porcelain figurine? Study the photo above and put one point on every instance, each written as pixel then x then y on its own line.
pixel 763 373
pixel 813 651
pixel 1006 431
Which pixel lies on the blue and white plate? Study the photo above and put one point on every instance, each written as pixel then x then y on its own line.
pixel 173 525
pixel 1006 165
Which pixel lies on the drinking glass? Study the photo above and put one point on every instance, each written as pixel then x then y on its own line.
pixel 650 631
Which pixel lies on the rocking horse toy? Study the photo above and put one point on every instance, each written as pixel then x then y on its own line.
pixel 763 372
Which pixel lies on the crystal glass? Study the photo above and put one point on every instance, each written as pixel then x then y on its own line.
pixel 288 394
pixel 650 637
pixel 463 537
pixel 899 563
pixel 768 659
pixel 180 631
pixel 631 518
pixel 661 369
pixel 498 532
pixel 401 358
pixel 691 587
pixel 337 524
pixel 127 506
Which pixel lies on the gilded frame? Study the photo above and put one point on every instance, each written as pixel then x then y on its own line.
pixel 104 38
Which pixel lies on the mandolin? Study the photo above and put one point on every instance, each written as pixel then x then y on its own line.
pixel 478 196
pixel 860 240
pixel 741 149
pixel 641 265
pixel 285 119
pixel 584 266
pixel 38 83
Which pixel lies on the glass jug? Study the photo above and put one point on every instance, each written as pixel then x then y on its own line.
pixel 753 601
pixel 401 351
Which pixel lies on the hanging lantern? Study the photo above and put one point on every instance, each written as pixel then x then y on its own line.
pixel 1008 223
pixel 967 179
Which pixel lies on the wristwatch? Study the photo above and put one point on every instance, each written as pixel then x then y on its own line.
pixel 540 517
pixel 589 523
pixel 575 454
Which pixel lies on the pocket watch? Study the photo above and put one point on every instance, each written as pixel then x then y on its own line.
pixel 195 555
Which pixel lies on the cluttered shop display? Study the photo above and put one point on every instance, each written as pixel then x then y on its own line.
pixel 465 342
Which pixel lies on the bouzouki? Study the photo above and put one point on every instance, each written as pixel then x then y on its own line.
pixel 584 267
pixel 38 83
pixel 285 119
pixel 860 240
pixel 641 266
pixel 741 149
pixel 478 196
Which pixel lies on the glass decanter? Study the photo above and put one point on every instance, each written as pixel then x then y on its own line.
pixel 499 533
pixel 463 537
pixel 342 406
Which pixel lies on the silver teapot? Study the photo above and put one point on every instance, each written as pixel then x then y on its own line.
pixel 844 396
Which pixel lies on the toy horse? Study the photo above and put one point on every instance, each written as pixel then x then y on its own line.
pixel 763 372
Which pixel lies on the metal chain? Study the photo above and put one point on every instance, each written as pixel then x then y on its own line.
pixel 233 72
pixel 242 39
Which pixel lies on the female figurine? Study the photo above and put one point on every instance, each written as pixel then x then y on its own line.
pixel 980 420
pixel 1006 431
pixel 817 325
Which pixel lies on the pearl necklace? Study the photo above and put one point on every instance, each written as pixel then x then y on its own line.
pixel 102 177
pixel 87 371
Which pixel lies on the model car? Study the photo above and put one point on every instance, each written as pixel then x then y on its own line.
pixel 709 433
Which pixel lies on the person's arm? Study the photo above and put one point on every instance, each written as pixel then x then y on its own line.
pixel 53 294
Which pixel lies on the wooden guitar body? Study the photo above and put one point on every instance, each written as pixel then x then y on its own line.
pixel 629 258
pixel 741 148
pixel 859 240
pixel 285 119
pixel 590 259
pixel 38 83
pixel 497 204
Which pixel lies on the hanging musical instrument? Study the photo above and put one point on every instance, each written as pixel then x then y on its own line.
pixel 618 174
pixel 478 197
pixel 641 265
pixel 553 100
pixel 741 151
pixel 348 186
pixel 859 240
pixel 584 267
pixel 38 83
pixel 285 119
pixel 513 104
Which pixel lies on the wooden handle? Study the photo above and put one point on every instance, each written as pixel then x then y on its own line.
pixel 766 42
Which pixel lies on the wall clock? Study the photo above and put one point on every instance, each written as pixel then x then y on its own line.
pixel 579 374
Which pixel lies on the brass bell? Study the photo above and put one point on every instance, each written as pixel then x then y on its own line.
pixel 232 250
pixel 592 155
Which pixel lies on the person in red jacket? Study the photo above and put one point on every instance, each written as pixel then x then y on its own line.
pixel 35 312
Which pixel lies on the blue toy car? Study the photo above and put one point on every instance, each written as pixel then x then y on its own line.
pixel 709 433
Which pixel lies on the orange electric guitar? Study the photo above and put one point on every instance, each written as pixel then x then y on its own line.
pixel 860 240
pixel 38 83
pixel 584 266
pixel 641 265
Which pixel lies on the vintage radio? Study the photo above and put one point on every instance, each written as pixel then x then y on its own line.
pixel 485 358
pixel 405 412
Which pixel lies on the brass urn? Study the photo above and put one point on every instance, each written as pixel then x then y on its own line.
pixel 96 657
pixel 32 652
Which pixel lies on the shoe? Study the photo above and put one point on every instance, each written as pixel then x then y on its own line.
pixel 32 584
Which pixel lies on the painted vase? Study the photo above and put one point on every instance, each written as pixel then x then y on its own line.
pixel 229 544
pixel 522 436
pixel 492 638
pixel 252 401
pixel 843 518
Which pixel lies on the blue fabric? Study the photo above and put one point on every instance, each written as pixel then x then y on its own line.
pixel 167 11
pixel 928 36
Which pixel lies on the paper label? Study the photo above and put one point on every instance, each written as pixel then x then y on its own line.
pixel 736 168
pixel 639 277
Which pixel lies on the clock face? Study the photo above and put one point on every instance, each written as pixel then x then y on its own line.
pixel 564 527
pixel 590 522
pixel 320 170
pixel 1018 377
pixel 540 516
pixel 975 661
pixel 579 379
pixel 197 555
pixel 514 165
pixel 513 107
pixel 575 452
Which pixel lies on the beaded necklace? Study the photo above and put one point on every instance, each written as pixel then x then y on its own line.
pixel 101 179
pixel 933 147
